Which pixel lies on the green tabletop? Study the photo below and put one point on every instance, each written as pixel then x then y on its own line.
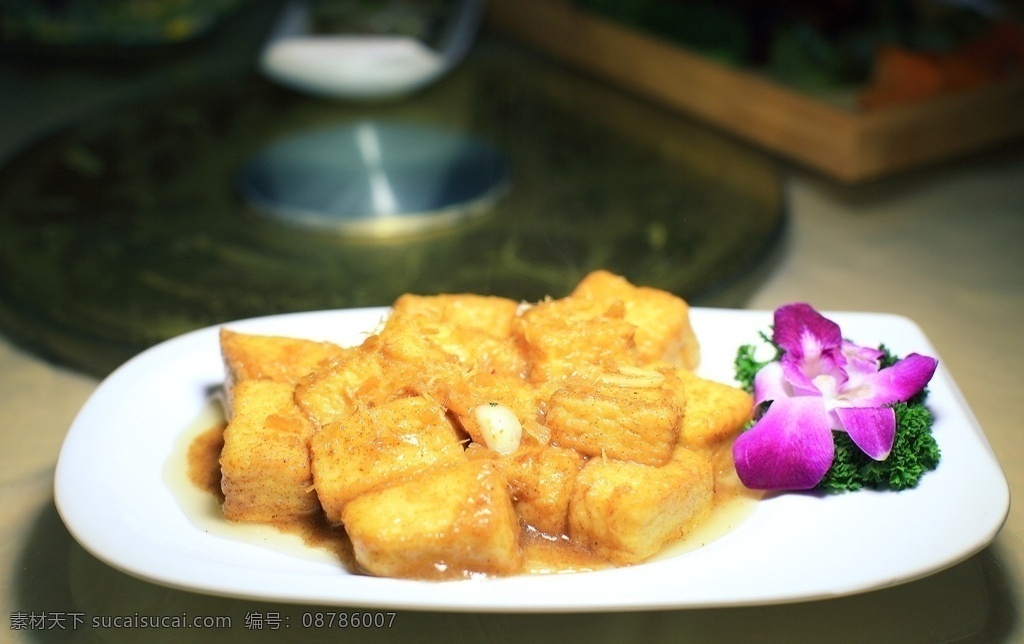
pixel 127 227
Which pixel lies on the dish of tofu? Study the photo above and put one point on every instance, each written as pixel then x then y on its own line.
pixel 479 436
pixel 456 488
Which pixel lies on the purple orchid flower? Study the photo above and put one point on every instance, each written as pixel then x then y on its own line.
pixel 821 384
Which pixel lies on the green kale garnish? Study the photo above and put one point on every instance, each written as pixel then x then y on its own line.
pixel 914 453
pixel 747 365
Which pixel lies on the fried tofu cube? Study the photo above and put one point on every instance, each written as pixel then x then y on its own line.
pixel 331 392
pixel 265 470
pixel 478 389
pixel 489 314
pixel 473 329
pixel 265 357
pixel 629 417
pixel 445 523
pixel 406 340
pixel 398 362
pixel 248 356
pixel 377 445
pixel 715 412
pixel 627 512
pixel 541 480
pixel 569 335
pixel 662 319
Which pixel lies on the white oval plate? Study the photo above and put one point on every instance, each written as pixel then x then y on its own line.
pixel 113 495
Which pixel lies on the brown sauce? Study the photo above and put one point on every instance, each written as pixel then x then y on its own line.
pixel 194 475
pixel 203 460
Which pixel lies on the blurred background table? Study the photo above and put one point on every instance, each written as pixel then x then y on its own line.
pixel 938 245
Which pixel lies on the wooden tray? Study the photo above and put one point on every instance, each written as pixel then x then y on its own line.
pixel 847 145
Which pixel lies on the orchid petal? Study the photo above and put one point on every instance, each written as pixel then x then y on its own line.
pixel 872 429
pixel 803 332
pixel 811 343
pixel 801 375
pixel 899 382
pixel 864 360
pixel 790 447
pixel 769 383
pixel 862 363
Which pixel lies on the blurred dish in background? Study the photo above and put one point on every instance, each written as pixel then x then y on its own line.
pixel 332 49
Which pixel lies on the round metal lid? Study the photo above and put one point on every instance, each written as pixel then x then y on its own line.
pixel 374 179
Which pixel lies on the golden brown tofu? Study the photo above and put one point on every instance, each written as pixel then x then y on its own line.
pixel 377 445
pixel 474 330
pixel 406 340
pixel 444 523
pixel 329 393
pixel 265 471
pixel 571 335
pixel 715 415
pixel 541 480
pixel 662 319
pixel 631 416
pixel 248 356
pixel 396 363
pixel 626 512
pixel 715 412
pixel 491 315
pixel 465 394
pixel 265 357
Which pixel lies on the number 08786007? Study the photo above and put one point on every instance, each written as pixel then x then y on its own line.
pixel 345 619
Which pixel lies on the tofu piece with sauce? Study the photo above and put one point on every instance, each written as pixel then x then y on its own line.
pixel 489 314
pixel 715 415
pixel 572 335
pixel 378 445
pixel 329 393
pixel 662 320
pixel 541 481
pixel 474 328
pixel 249 356
pixel 265 468
pixel 715 412
pixel 478 390
pixel 397 362
pixel 415 354
pixel 630 416
pixel 627 512
pixel 450 522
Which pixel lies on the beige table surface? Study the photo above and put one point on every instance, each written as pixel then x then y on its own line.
pixel 939 246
